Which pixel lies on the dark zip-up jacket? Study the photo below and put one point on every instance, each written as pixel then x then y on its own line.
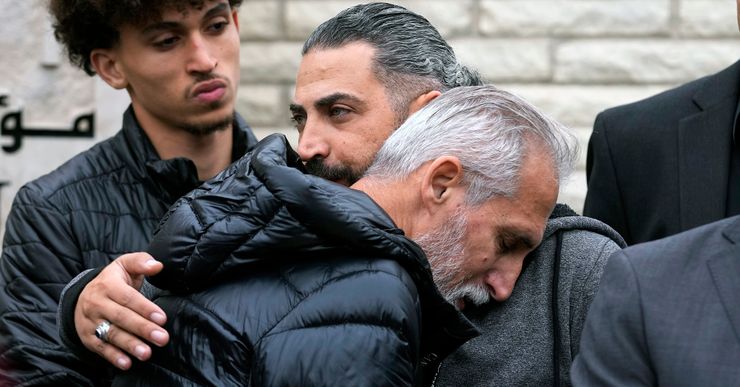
pixel 101 204
pixel 277 278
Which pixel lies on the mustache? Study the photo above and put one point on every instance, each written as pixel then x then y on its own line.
pixel 318 166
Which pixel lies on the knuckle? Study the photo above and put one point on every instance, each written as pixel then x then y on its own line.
pixel 120 316
pixel 97 347
pixel 113 333
pixel 127 297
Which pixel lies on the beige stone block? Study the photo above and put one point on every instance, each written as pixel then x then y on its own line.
pixel 260 19
pixel 302 17
pixel 573 192
pixel 574 18
pixel 269 62
pixel 642 61
pixel 450 18
pixel 502 60
pixel 708 18
pixel 582 135
pixel 262 105
pixel 289 132
pixel 578 105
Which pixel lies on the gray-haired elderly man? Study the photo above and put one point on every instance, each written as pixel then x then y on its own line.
pixel 363 73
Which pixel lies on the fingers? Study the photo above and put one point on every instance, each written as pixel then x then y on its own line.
pixel 114 355
pixel 138 265
pixel 134 319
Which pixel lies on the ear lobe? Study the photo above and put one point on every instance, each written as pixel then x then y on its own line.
pixel 105 64
pixel 442 182
pixel 422 100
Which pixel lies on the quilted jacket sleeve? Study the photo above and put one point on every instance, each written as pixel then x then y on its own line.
pixel 39 258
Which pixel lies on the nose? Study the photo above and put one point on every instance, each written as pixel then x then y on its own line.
pixel 201 58
pixel 502 279
pixel 312 142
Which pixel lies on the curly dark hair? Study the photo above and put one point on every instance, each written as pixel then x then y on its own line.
pixel 84 25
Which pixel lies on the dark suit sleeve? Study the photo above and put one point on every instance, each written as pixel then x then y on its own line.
pixel 613 347
pixel 603 198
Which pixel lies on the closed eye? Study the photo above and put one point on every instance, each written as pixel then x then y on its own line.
pixel 511 242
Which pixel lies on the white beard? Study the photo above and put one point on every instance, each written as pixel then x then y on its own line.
pixel 445 250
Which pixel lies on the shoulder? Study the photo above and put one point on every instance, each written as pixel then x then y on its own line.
pixel 668 106
pixel 688 249
pixel 583 238
pixel 585 245
pixel 362 278
pixel 72 180
pixel 646 108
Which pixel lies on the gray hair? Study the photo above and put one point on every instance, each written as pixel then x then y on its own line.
pixel 489 130
pixel 411 57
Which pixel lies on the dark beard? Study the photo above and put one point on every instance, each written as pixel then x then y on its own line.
pixel 318 167
pixel 210 127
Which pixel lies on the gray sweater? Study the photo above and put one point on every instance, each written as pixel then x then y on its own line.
pixel 518 338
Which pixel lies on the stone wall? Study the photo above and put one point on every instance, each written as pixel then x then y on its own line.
pixel 572 58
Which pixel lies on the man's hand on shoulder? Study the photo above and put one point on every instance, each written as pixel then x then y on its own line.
pixel 114 296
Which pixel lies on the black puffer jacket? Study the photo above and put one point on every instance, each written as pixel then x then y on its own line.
pixel 102 203
pixel 277 278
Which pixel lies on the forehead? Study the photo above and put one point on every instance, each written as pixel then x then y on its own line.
pixel 142 13
pixel 530 208
pixel 347 69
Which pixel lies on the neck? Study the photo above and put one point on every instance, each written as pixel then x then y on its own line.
pixel 391 196
pixel 211 153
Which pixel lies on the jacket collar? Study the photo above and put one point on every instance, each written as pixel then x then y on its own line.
pixel 704 142
pixel 719 87
pixel 174 177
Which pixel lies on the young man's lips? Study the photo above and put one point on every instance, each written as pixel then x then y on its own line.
pixel 210 91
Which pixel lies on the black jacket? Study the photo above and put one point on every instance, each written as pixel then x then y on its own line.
pixel 661 165
pixel 278 278
pixel 100 204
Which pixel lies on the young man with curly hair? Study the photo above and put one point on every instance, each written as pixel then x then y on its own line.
pixel 179 62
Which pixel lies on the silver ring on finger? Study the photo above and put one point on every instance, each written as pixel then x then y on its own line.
pixel 101 331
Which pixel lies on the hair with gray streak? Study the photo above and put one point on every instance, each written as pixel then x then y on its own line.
pixel 489 130
pixel 411 57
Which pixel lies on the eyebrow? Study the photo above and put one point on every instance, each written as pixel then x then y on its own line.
pixel 296 108
pixel 171 25
pixel 333 98
pixel 326 101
